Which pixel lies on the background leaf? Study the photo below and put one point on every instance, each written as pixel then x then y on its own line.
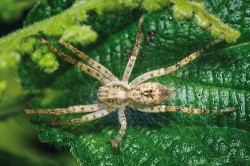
pixel 219 79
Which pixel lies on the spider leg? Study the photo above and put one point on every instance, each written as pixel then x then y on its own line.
pixel 90 71
pixel 100 68
pixel 163 71
pixel 163 108
pixel 85 118
pixel 132 59
pixel 123 122
pixel 70 110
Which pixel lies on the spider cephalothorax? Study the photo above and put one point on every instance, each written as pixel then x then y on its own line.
pixel 116 93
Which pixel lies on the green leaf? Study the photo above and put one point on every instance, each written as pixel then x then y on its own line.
pixel 219 79
pixel 12 9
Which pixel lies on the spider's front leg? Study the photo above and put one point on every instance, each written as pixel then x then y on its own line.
pixel 88 70
pixel 164 108
pixel 97 66
pixel 98 111
pixel 123 122
pixel 70 110
pixel 85 118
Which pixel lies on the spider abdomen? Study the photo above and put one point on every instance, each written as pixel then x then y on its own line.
pixel 149 93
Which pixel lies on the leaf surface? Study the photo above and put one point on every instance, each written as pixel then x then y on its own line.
pixel 219 79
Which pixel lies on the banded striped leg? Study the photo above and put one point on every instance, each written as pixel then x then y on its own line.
pixel 100 68
pixel 123 122
pixel 132 59
pixel 70 110
pixel 85 118
pixel 163 71
pixel 163 108
pixel 90 71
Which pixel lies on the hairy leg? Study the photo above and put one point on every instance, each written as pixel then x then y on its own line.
pixel 85 118
pixel 163 108
pixel 123 122
pixel 90 71
pixel 70 110
pixel 100 68
pixel 163 71
pixel 132 59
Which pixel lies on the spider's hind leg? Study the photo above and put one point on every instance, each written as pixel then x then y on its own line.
pixel 163 71
pixel 163 108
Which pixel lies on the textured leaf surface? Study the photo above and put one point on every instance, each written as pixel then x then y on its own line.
pixel 219 79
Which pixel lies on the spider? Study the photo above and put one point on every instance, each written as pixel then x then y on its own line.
pixel 118 94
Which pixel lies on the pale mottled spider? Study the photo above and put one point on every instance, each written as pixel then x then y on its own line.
pixel 116 93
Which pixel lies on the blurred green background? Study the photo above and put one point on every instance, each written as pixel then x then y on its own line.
pixel 19 142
